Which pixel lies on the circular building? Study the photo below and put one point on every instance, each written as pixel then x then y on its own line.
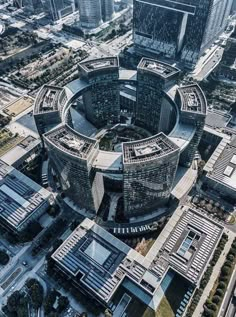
pixel 133 150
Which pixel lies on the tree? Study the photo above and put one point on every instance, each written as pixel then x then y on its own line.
pixel 13 301
pixel 225 270
pixel 108 313
pixel 222 285
pixel 219 292
pixel 4 257
pixel 63 303
pixel 216 299
pixel 230 257
pixel 36 294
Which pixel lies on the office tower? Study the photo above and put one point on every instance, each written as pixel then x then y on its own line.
pixel 233 8
pixel 71 155
pixel 102 101
pixel 153 78
pixel 29 4
pixel 107 9
pixel 149 172
pixel 182 29
pixel 54 7
pixel 18 3
pixel 90 13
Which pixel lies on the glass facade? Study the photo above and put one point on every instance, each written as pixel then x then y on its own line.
pixel 184 28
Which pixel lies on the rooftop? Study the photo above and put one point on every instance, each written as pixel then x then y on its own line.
pixel 20 197
pixel 162 69
pixel 47 99
pixel 100 63
pixel 101 262
pixel 221 167
pixel 150 148
pixel 193 99
pixel 68 140
pixel 186 244
pixel 217 119
pixel 111 161
pixel 21 150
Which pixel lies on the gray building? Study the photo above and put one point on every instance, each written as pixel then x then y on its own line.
pixel 55 7
pixel 178 28
pixel 102 100
pixel 71 156
pixel 102 266
pixel 107 9
pixel 193 105
pixel 46 110
pixel 90 13
pixel 144 168
pixel 21 199
pixel 149 171
pixel 220 170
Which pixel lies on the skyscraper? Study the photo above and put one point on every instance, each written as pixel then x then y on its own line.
pixel 54 7
pixel 184 28
pixel 107 9
pixel 90 13
pixel 93 12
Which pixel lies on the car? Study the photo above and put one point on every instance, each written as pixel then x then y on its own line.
pixel 24 263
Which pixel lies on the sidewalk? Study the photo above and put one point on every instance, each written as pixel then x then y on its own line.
pixel 199 309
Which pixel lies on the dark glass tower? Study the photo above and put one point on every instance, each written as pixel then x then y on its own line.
pixel 185 28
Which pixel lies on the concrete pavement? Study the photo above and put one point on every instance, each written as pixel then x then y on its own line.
pixel 216 270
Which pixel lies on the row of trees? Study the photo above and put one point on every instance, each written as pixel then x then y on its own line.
pixel 4 257
pixel 53 231
pixel 18 303
pixel 213 303
pixel 206 277
pixel 50 300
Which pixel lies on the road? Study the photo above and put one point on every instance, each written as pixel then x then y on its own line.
pixel 207 63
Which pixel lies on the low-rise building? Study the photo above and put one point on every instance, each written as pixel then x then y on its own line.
pixel 23 153
pixel 220 170
pixel 21 199
pixel 99 264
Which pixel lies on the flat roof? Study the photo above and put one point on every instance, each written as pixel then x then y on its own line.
pixel 186 244
pixel 70 141
pixel 111 161
pixel 47 99
pixel 193 99
pixel 217 119
pixel 21 150
pixel 157 67
pixel 99 63
pixel 221 166
pixel 182 134
pixel 147 149
pixel 20 197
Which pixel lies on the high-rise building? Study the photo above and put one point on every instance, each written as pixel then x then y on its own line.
pixel 233 8
pixel 90 13
pixel 55 7
pixel 29 4
pixel 107 9
pixel 182 29
pixel 149 172
pixel 102 101
pixel 153 78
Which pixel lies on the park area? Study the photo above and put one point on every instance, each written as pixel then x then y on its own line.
pixel 8 140
pixel 18 106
